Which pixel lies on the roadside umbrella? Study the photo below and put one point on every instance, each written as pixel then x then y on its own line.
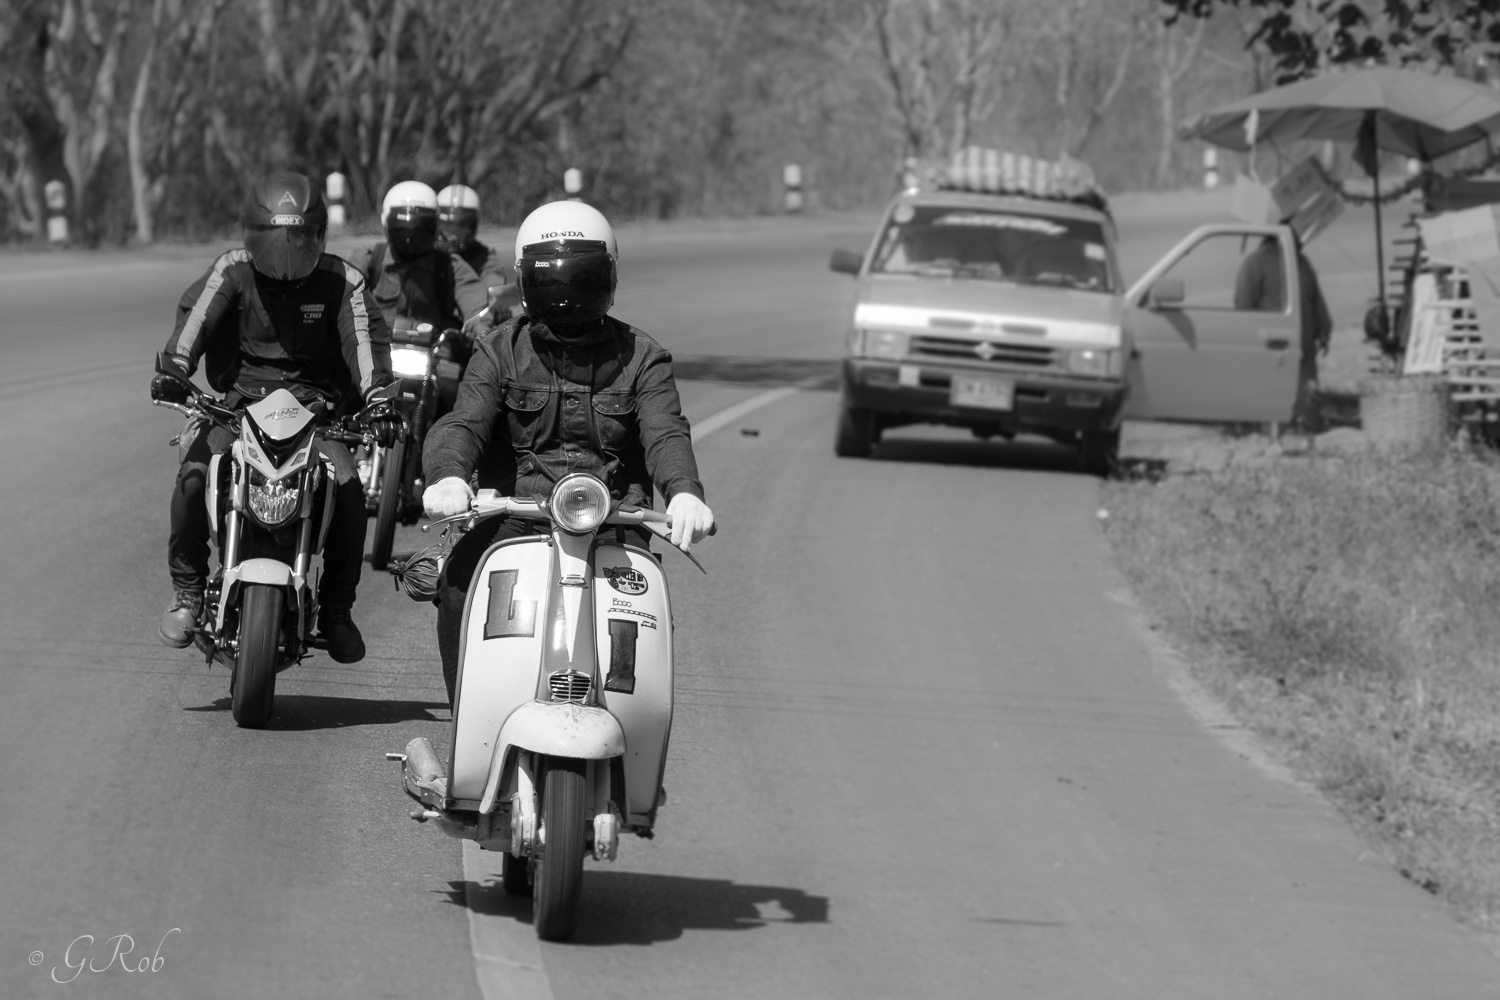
pixel 1407 112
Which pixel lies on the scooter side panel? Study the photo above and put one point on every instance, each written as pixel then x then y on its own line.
pixel 502 647
pixel 633 633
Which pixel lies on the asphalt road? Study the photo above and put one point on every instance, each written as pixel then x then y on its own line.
pixel 923 746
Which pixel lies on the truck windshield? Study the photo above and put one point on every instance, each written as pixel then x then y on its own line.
pixel 1001 245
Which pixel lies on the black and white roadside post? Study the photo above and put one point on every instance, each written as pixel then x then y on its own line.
pixel 573 183
pixel 56 195
pixel 791 180
pixel 335 192
pixel 1210 169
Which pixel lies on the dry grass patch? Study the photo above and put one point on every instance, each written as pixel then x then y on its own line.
pixel 1348 611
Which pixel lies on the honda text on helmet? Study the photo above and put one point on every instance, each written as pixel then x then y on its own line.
pixel 410 216
pixel 565 263
pixel 458 216
pixel 286 225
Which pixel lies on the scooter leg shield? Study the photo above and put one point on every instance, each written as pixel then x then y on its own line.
pixel 498 656
pixel 633 634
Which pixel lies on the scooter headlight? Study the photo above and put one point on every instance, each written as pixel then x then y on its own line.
pixel 580 503
pixel 273 504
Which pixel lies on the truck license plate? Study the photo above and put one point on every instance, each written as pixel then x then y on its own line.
pixel 985 393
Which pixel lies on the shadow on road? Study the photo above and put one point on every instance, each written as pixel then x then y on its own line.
pixel 639 908
pixel 1026 454
pixel 802 372
pixel 302 712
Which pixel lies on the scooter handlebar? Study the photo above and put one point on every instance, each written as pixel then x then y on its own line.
pixel 489 505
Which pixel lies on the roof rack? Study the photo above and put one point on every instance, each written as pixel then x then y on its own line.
pixel 992 171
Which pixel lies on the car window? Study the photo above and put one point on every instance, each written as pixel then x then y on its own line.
pixel 996 245
pixel 1232 271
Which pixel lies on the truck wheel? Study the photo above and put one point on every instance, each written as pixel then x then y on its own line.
pixel 858 433
pixel 1099 452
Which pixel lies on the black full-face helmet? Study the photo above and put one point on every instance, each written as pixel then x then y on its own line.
pixel 410 216
pixel 565 264
pixel 458 217
pixel 286 225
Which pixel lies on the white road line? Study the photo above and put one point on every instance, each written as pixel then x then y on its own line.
pixel 744 407
pixel 507 957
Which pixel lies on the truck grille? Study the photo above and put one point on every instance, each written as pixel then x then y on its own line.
pixel 993 352
pixel 568 685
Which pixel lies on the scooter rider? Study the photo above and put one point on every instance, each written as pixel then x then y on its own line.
pixel 412 278
pixel 278 313
pixel 562 388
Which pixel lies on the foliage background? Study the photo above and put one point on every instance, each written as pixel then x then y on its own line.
pixel 155 113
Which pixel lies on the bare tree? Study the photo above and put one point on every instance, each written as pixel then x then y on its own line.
pixel 1082 52
pixel 937 61
pixel 162 105
pixel 1176 48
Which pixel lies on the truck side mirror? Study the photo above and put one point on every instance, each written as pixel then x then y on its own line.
pixel 1166 293
pixel 846 262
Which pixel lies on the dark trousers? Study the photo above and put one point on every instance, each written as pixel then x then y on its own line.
pixel 187 546
pixel 463 563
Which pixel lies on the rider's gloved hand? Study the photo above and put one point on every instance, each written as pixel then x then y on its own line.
pixel 447 497
pixel 383 393
pixel 478 324
pixel 691 520
pixel 166 389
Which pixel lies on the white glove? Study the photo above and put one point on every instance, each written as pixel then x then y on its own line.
pixel 447 497
pixel 691 520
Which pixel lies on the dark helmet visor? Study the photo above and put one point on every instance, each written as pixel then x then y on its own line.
pixel 574 287
pixel 285 252
pixel 411 229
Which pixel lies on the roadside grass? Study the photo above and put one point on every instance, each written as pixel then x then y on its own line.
pixel 1345 610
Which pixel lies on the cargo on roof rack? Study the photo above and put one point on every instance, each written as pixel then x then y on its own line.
pixel 992 171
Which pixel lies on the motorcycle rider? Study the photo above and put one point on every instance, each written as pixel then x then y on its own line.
pixel 277 313
pixel 413 279
pixel 458 228
pixel 563 387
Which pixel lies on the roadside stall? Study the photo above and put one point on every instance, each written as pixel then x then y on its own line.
pixel 1424 117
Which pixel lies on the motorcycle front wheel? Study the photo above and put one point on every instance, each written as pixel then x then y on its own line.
pixel 261 607
pixel 388 511
pixel 558 882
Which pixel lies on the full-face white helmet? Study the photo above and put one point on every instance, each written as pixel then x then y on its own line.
pixel 458 216
pixel 565 263
pixel 409 214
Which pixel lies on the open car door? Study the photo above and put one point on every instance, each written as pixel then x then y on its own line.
pixel 1216 325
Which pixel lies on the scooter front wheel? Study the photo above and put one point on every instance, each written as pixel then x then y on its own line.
pixel 255 668
pixel 558 884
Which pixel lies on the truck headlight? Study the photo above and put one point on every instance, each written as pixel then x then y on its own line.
pixel 887 344
pixel 1094 361
pixel 273 503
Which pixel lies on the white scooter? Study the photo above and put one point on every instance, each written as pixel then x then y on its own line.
pixel 563 706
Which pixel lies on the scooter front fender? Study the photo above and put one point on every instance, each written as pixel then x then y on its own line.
pixel 565 729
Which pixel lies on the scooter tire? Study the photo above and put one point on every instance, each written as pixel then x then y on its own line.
pixel 558 884
pixel 254 688
pixel 388 510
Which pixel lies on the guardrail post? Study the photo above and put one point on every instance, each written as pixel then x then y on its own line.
pixel 335 192
pixel 56 195
pixel 791 179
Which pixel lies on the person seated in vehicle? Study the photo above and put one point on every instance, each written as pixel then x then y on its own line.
pixel 563 387
pixel 1260 286
pixel 458 233
pixel 415 281
pixel 278 313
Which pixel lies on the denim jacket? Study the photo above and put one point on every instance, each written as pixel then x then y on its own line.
pixel 533 408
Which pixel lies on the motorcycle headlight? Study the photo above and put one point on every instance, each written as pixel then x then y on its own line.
pixel 580 503
pixel 1093 361
pixel 887 344
pixel 408 362
pixel 273 504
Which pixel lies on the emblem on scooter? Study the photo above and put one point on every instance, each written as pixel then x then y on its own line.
pixel 626 579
